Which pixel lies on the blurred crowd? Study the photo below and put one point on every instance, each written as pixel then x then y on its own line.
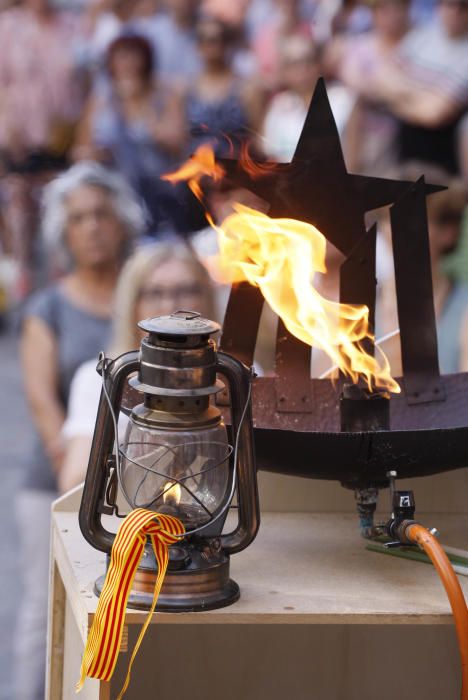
pixel 138 84
pixel 102 97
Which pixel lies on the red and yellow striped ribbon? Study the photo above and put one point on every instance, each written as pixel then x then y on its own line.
pixel 105 635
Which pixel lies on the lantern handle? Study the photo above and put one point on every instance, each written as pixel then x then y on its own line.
pixel 239 381
pixel 115 374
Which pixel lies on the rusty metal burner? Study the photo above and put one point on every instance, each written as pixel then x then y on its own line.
pixel 299 428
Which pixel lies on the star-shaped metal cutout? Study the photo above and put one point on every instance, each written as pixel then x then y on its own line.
pixel 315 186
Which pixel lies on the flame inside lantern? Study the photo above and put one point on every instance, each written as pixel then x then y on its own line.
pixel 172 493
pixel 282 256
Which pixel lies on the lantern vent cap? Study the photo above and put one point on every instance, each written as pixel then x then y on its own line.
pixel 183 323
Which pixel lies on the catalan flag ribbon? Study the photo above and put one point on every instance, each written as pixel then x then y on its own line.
pixel 105 635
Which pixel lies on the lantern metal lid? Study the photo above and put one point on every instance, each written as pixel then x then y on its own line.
pixel 176 458
pixel 181 323
pixel 177 357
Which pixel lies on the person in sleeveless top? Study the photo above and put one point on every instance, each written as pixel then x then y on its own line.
pixel 136 125
pixel 221 108
pixel 94 217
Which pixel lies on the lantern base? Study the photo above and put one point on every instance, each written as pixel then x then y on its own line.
pixel 193 589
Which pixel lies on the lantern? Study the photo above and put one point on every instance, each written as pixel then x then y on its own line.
pixel 177 457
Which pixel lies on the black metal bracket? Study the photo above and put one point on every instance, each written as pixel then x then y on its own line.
pixel 414 292
pixel 292 381
pixel 358 280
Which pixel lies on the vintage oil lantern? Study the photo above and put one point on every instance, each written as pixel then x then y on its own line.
pixel 177 457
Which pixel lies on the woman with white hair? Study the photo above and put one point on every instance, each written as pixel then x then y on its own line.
pixel 91 215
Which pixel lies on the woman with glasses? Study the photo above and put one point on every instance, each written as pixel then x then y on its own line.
pixel 158 279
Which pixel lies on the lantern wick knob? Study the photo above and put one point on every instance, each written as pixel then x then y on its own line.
pixel 188 315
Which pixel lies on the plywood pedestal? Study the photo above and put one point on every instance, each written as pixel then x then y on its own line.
pixel 319 618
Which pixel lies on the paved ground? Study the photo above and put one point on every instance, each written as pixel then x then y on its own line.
pixel 15 433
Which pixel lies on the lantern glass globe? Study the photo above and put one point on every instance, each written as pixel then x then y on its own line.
pixel 184 473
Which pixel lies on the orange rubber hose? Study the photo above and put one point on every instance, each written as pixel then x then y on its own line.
pixel 422 537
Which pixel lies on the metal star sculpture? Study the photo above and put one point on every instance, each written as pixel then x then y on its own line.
pixel 297 427
pixel 314 187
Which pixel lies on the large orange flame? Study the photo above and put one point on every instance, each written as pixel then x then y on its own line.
pixel 282 257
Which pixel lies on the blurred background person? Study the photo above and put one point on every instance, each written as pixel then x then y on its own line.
pixel 105 20
pixel 37 74
pixel 426 88
pixel 40 103
pixel 286 20
pixel 95 217
pixel 346 17
pixel 172 34
pixel 372 130
pixel 138 127
pixel 300 67
pixel 299 70
pixel 158 279
pixel 234 14
pixel 221 108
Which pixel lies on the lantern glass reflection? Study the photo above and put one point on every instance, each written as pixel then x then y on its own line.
pixel 184 473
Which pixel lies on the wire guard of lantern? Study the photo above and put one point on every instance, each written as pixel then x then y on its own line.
pixel 176 459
